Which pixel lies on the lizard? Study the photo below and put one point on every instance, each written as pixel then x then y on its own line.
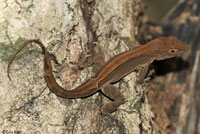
pixel 138 58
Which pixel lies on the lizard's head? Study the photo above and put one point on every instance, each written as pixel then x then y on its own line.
pixel 170 47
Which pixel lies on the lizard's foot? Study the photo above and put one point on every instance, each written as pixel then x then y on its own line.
pixel 106 113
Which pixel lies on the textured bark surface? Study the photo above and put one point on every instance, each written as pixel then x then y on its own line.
pixel 174 94
pixel 70 30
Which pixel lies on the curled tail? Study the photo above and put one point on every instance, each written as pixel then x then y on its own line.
pixel 25 44
pixel 86 89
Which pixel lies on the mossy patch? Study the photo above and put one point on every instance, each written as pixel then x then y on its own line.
pixel 8 49
pixel 139 102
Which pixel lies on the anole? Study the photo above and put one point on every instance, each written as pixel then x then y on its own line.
pixel 117 67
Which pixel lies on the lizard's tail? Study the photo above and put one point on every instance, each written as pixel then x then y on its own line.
pixel 84 90
pixel 25 44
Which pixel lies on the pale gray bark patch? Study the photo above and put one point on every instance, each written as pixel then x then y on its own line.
pixel 68 30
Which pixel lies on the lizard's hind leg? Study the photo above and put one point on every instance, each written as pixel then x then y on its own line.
pixel 117 97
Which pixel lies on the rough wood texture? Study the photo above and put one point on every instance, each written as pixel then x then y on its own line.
pixel 70 30
pixel 175 97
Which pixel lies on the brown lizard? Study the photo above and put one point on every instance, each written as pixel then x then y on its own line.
pixel 119 66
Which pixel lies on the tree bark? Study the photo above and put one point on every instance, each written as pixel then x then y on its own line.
pixel 174 95
pixel 70 30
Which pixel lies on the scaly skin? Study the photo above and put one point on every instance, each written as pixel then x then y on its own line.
pixel 118 67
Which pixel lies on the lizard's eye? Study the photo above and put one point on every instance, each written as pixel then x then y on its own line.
pixel 172 51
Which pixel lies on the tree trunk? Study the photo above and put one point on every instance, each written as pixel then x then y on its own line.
pixel 175 97
pixel 71 30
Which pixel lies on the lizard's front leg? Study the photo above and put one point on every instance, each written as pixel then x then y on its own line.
pixel 97 60
pixel 117 99
pixel 142 74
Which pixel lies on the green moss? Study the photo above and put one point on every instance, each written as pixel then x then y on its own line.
pixel 7 50
pixel 139 102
